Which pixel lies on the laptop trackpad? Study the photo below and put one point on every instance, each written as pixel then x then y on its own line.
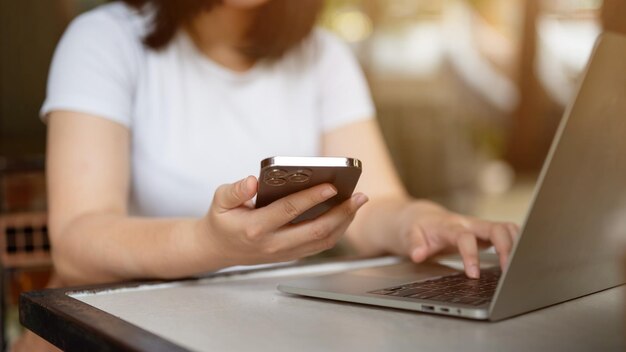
pixel 443 265
pixel 406 271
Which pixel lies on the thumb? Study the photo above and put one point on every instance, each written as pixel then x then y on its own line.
pixel 419 249
pixel 230 196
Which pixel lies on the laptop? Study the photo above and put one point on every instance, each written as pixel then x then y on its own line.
pixel 568 245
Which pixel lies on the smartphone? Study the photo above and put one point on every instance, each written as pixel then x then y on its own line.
pixel 283 175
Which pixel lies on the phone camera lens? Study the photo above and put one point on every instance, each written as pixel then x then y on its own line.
pixel 298 178
pixel 275 181
pixel 276 173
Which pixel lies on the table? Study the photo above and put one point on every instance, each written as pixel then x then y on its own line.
pixel 243 311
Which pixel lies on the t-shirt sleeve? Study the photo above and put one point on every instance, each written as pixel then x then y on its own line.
pixel 93 69
pixel 344 93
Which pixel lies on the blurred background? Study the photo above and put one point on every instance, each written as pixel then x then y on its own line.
pixel 468 94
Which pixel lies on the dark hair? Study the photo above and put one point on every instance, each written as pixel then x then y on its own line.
pixel 279 25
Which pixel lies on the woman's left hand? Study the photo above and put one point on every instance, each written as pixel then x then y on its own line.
pixel 428 229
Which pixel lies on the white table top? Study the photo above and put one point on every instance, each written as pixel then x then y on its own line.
pixel 246 312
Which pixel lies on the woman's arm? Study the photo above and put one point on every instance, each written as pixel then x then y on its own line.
pixel 393 222
pixel 94 239
pixel 379 181
pixel 88 186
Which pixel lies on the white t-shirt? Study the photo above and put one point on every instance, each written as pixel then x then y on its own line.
pixel 194 124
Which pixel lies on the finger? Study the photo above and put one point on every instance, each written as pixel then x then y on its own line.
pixel 233 195
pixel 466 243
pixel 419 248
pixel 284 210
pixel 479 227
pixel 502 241
pixel 319 229
pixel 316 247
pixel 422 246
pixel 514 230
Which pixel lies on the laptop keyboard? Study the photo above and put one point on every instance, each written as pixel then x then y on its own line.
pixel 456 288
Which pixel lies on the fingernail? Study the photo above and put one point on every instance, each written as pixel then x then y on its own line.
pixel 418 254
pixel 245 185
pixel 329 192
pixel 359 199
pixel 473 271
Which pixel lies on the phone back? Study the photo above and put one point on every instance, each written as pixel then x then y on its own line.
pixel 282 176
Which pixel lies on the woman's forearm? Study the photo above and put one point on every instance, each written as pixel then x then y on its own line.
pixel 109 247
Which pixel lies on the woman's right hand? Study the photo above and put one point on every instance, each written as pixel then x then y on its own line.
pixel 238 234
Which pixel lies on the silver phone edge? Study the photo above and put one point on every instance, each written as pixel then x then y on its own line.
pixel 311 161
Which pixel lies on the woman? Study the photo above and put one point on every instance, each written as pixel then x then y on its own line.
pixel 153 104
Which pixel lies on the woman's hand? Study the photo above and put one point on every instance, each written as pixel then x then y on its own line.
pixel 428 229
pixel 239 234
